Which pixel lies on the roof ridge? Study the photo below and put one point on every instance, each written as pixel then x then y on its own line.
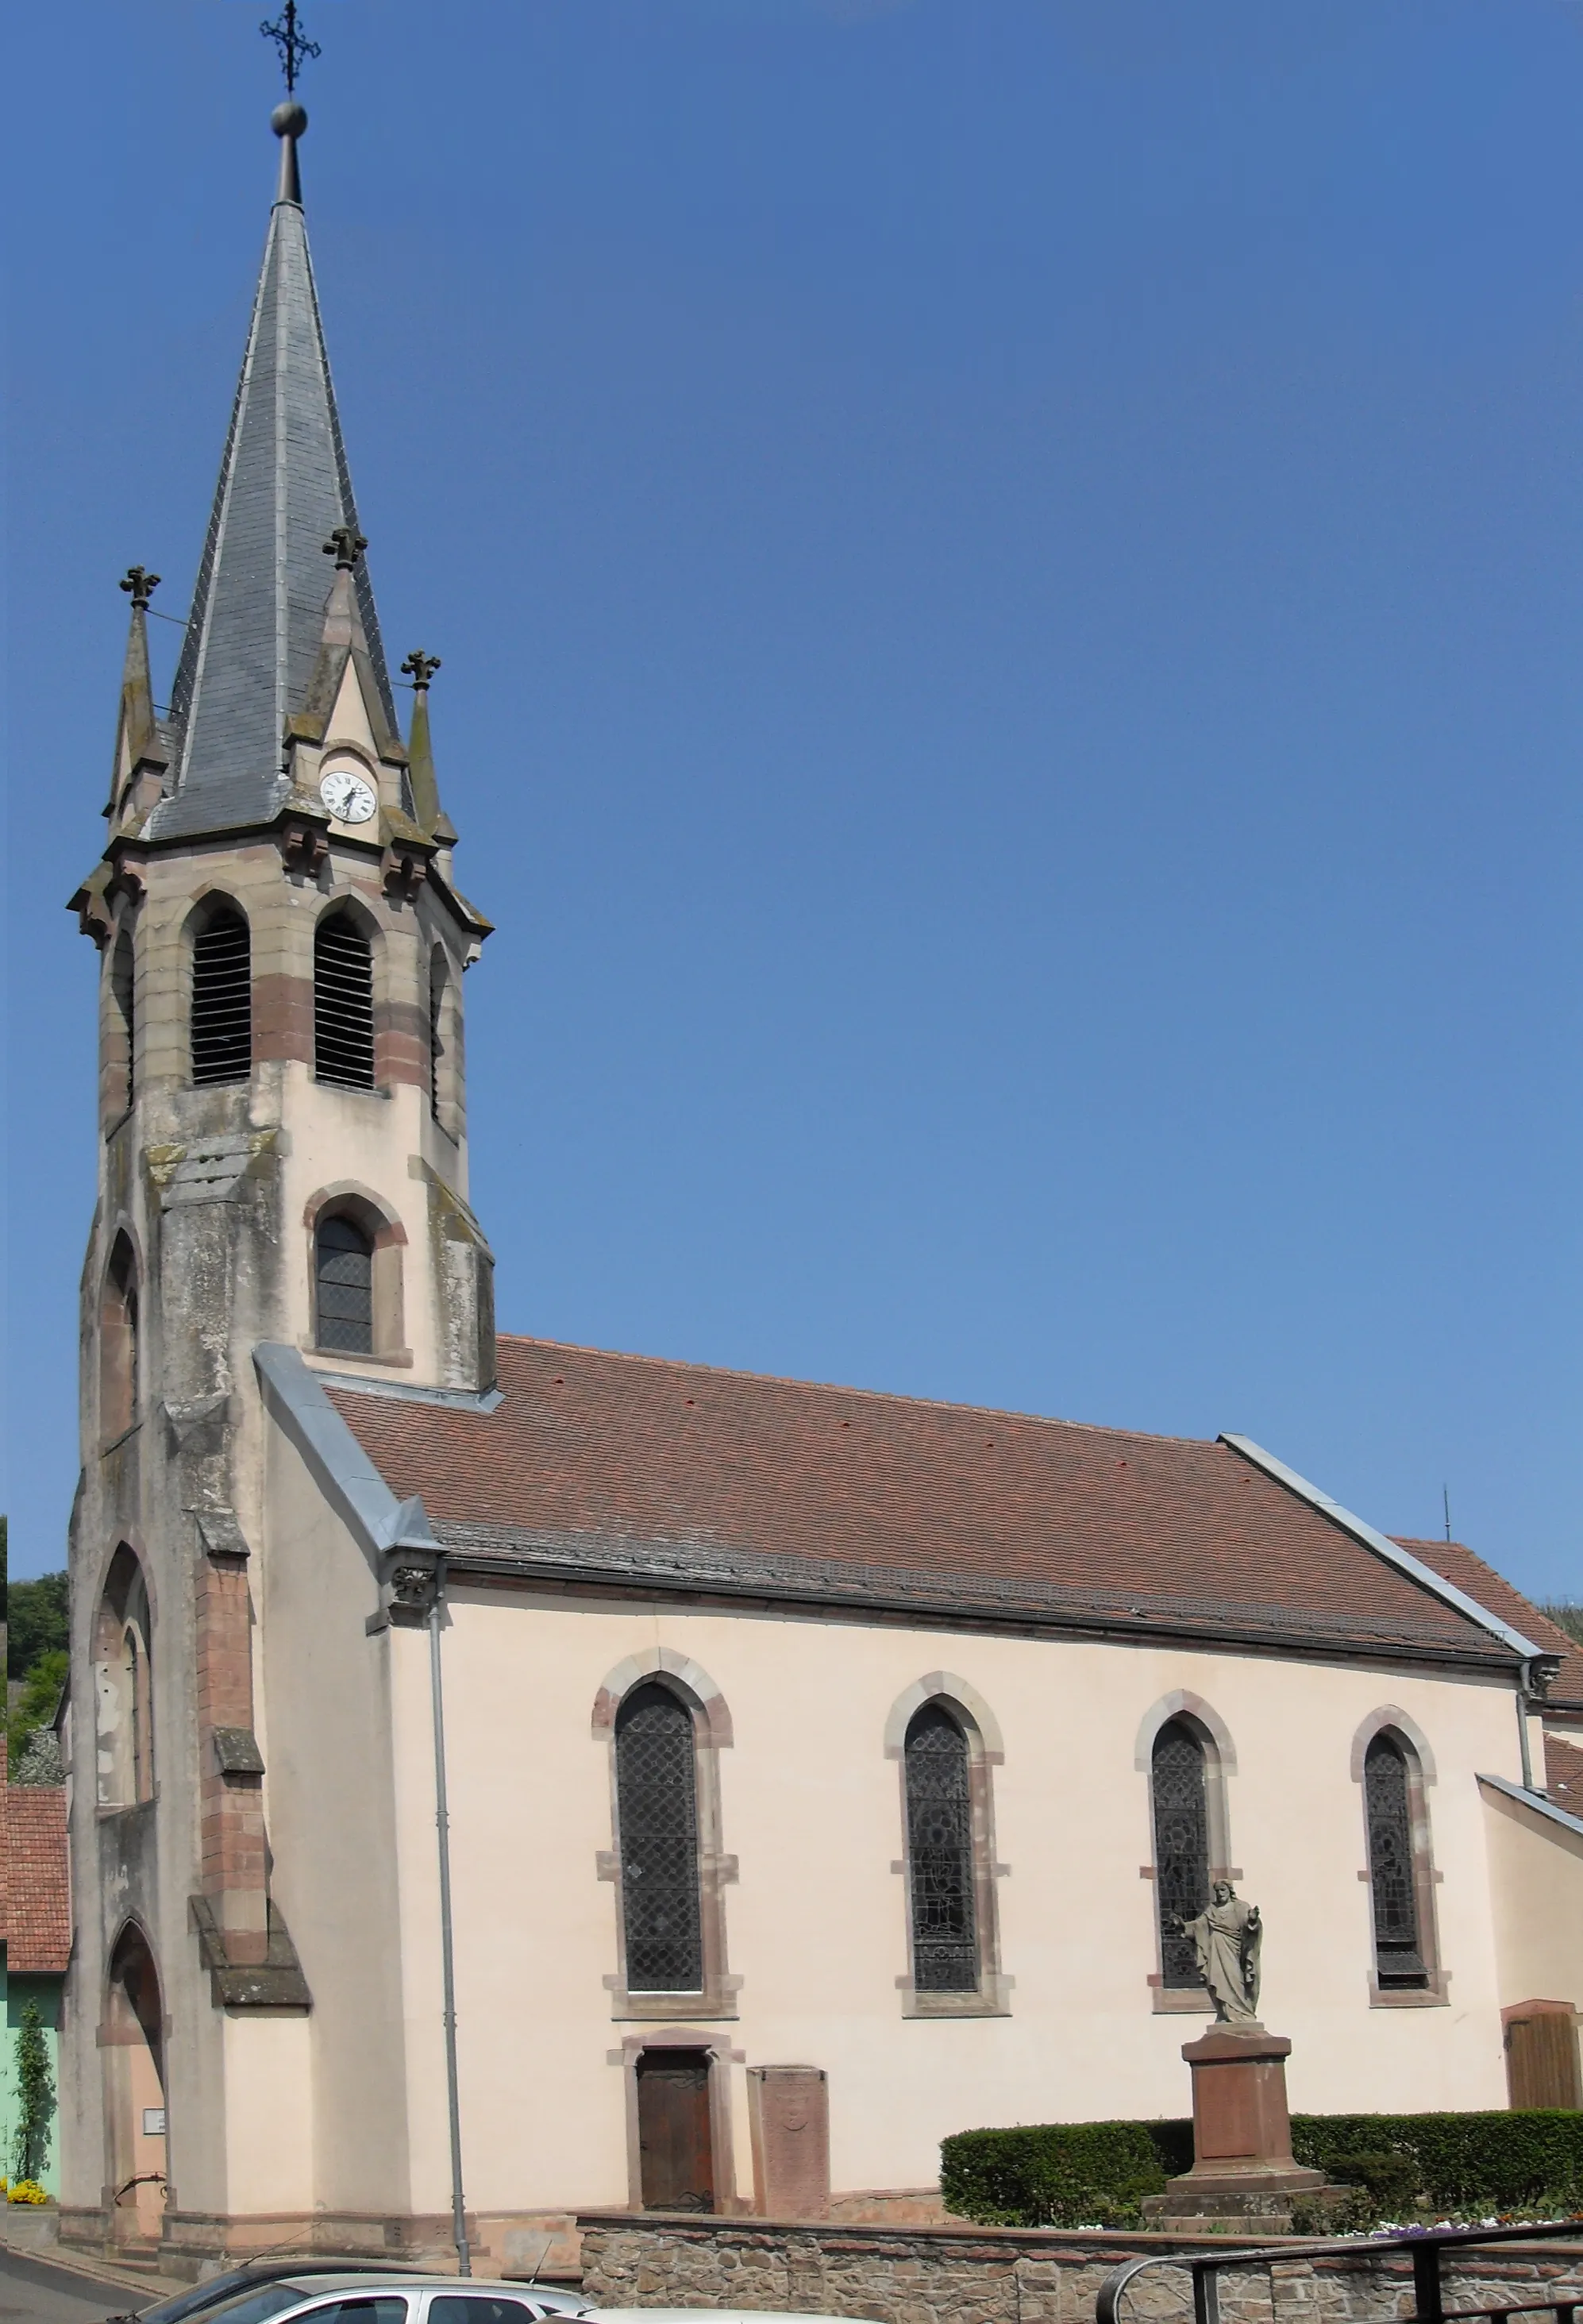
pixel 843 1388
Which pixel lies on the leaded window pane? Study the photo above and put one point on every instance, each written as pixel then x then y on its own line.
pixel 345 1288
pixel 1181 1847
pixel 939 1854
pixel 657 1803
pixel 1398 1956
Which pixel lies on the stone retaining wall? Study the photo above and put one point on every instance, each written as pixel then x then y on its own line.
pixel 1015 2275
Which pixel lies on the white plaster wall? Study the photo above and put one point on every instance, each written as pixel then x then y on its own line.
pixel 329 1806
pixel 815 1924
pixel 269 2112
pixel 1536 1877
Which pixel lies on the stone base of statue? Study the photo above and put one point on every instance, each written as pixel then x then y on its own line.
pixel 1243 2168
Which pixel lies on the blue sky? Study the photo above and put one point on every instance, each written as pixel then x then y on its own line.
pixel 1009 582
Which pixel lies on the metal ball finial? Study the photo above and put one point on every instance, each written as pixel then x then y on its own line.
pixel 289 118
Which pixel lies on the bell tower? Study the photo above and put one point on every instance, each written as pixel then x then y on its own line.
pixel 283 1156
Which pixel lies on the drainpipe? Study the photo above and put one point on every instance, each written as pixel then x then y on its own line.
pixel 1524 1696
pixel 447 1958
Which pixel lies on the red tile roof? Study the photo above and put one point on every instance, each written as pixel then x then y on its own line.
pixel 1468 1572
pixel 1563 1773
pixel 670 1474
pixel 35 1889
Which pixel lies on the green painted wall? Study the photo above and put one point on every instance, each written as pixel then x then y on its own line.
pixel 15 1993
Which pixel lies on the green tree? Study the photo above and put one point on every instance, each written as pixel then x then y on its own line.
pixel 35 1705
pixel 36 1622
pixel 35 2095
pixel 1568 1617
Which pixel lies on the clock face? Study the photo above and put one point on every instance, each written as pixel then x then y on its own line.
pixel 347 797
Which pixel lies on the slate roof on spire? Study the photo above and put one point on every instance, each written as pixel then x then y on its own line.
pixel 258 607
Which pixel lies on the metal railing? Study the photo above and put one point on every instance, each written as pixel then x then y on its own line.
pixel 1424 2250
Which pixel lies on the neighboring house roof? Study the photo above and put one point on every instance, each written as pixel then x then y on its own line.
pixel 1467 1571
pixel 651 1473
pixel 1563 1773
pixel 36 1888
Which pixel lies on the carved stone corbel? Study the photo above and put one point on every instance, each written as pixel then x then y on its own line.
pixel 304 846
pixel 405 870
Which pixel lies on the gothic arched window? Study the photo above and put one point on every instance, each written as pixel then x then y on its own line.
pixel 1180 1786
pixel 222 999
pixel 941 1872
pixel 657 1815
pixel 344 1286
pixel 342 1003
pixel 118 1343
pixel 123 1687
pixel 1398 1947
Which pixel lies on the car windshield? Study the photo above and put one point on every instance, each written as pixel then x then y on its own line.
pixel 237 2297
pixel 254 2307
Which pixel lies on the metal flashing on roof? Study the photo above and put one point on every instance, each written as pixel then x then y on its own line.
pixel 1383 1546
pixel 452 1399
pixel 1534 1800
pixel 345 1472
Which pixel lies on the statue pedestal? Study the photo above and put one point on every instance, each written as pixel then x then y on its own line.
pixel 1242 2161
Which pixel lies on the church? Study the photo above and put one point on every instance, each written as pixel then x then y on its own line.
pixel 507 1778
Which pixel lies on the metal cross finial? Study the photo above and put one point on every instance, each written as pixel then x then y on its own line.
pixel 292 43
pixel 346 545
pixel 140 586
pixel 420 667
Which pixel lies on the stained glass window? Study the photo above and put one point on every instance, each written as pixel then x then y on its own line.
pixel 345 1265
pixel 940 1854
pixel 1398 1956
pixel 656 1805
pixel 1182 1845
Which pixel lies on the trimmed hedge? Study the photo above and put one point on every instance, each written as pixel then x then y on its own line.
pixel 1097 2173
pixel 1062 2174
pixel 1462 2161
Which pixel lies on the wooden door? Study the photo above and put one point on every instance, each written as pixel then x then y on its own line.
pixel 1541 2060
pixel 675 2151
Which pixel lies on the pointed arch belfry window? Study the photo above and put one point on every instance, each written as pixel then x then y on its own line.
pixel 222 999
pixel 438 979
pixel 121 1047
pixel 342 1003
pixel 1180 1792
pixel 657 1806
pixel 1398 1944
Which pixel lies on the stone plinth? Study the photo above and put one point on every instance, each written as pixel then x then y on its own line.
pixel 1243 2166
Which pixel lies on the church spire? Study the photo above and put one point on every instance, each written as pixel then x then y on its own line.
pixel 258 609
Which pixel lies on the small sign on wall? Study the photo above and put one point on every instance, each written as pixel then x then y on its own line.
pixel 154 2121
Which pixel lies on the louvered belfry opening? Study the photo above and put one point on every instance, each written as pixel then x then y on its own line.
pixel 657 1809
pixel 123 995
pixel 437 1001
pixel 940 1854
pixel 1399 1961
pixel 222 1000
pixel 344 1281
pixel 1182 1845
pixel 342 1003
